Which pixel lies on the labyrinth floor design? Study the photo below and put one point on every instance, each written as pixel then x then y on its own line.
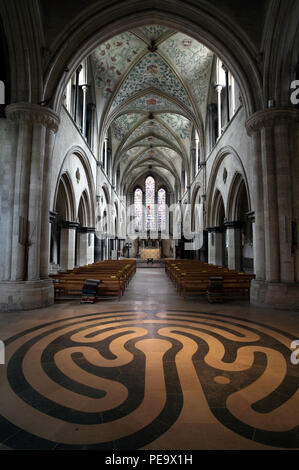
pixel 144 380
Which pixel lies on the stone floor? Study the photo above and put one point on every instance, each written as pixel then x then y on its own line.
pixel 149 372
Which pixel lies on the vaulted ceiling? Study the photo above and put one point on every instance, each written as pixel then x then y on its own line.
pixel 151 90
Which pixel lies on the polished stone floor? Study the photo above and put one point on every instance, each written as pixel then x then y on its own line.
pixel 149 372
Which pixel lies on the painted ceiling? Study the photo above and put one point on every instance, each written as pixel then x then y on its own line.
pixel 153 32
pixel 122 125
pixel 150 140
pixel 151 89
pixel 151 126
pixel 152 103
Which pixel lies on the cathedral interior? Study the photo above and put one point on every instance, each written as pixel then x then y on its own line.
pixel 151 147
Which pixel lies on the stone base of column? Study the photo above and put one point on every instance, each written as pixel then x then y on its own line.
pixel 27 295
pixel 274 294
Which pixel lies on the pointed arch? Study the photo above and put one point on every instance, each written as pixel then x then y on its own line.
pixel 64 201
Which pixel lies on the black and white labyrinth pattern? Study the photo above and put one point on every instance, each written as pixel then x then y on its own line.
pixel 138 380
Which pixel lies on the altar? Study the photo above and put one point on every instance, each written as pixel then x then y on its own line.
pixel 153 253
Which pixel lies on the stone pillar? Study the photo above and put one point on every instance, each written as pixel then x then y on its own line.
pixel 82 252
pixel 258 204
pixel 45 234
pixel 29 258
pixel 76 101
pixel 85 245
pixel 219 107
pixel 227 92
pixel 52 220
pixel 216 254
pixel 105 164
pixel 68 245
pixel 84 109
pixel 196 154
pixel 92 132
pixel 274 153
pixel 97 249
pixel 234 244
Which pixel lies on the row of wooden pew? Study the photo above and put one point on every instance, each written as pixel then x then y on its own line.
pixel 192 277
pixel 114 275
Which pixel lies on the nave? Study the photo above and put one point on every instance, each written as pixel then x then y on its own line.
pixel 150 371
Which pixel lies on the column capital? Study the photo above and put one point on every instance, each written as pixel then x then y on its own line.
pixel 218 88
pixel 86 229
pixel 270 118
pixel 70 225
pixel 33 113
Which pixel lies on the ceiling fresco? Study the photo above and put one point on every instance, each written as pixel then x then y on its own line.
pixel 150 140
pixel 152 84
pixel 194 62
pixel 153 32
pixel 151 126
pixel 178 124
pixel 130 153
pixel 152 72
pixel 122 125
pixel 112 59
pixel 153 103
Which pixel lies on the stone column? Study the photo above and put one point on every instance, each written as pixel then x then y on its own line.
pixel 234 244
pixel 216 254
pixel 284 201
pixel 219 107
pixel 97 248
pixel 274 152
pixel 227 92
pixel 258 204
pixel 36 127
pixel 105 163
pixel 52 220
pixel 68 245
pixel 76 101
pixel 45 234
pixel 196 155
pixel 85 245
pixel 84 109
pixel 92 126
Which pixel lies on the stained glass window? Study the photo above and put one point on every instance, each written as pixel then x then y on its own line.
pixel 162 209
pixel 150 203
pixel 138 208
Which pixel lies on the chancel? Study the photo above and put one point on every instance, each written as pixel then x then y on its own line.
pixel 149 207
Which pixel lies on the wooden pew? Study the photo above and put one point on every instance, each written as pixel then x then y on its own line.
pixel 114 277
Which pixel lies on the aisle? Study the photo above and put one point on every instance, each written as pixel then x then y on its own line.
pixel 151 286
